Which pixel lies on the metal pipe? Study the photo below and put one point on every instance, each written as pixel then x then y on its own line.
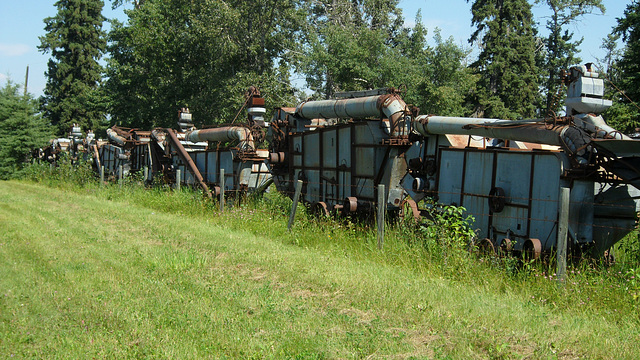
pixel 113 136
pixel 227 133
pixel 391 106
pixel 532 131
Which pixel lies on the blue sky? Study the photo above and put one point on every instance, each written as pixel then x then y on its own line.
pixel 21 23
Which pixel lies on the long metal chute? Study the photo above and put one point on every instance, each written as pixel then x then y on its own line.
pixel 227 133
pixel 190 165
pixel 391 105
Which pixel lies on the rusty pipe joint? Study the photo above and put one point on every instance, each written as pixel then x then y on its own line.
pixel 394 108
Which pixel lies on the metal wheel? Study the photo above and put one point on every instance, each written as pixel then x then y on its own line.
pixel 505 246
pixel 350 205
pixel 320 209
pixel 486 247
pixel 532 249
pixel 409 210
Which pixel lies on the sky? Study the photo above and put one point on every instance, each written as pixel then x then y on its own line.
pixel 21 25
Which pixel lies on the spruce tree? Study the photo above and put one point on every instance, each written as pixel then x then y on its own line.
pixel 76 42
pixel 508 84
pixel 625 114
pixel 22 129
pixel 561 48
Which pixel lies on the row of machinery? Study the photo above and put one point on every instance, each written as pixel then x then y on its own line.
pixel 507 174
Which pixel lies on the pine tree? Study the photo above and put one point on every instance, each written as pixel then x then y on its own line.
pixel 508 84
pixel 76 42
pixel 561 49
pixel 625 114
pixel 22 128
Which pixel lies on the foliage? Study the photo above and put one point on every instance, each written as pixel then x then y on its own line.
pixel 22 129
pixel 445 82
pixel 626 70
pixel 560 48
pixel 359 45
pixel 349 45
pixel 200 54
pixel 76 42
pixel 508 84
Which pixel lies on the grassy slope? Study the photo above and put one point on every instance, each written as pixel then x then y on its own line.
pixel 83 277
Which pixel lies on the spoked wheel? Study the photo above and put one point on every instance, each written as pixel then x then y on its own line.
pixel 532 249
pixel 409 210
pixel 320 209
pixel 486 248
pixel 505 247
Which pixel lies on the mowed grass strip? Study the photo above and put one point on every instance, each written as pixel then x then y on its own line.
pixel 82 277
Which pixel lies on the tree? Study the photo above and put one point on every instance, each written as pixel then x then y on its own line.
pixel 202 54
pixel 355 45
pixel 76 42
pixel 508 84
pixel 22 129
pixel 560 49
pixel 624 115
pixel 447 80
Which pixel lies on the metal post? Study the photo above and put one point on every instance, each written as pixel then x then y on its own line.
pixel 294 206
pixel 121 175
pixel 221 190
pixel 382 207
pixel 563 227
pixel 178 179
pixel 102 175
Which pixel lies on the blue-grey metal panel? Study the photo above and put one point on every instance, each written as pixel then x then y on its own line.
pixel 344 140
pixel 329 185
pixel 477 183
pixel 367 162
pixel 226 162
pixel 311 149
pixel 450 177
pixel 513 174
pixel 297 149
pixel 329 148
pixel 313 186
pixel 545 195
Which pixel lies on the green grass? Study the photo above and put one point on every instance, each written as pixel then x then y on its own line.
pixel 131 273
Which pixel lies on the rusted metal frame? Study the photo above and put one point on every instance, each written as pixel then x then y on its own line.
pixel 337 185
pixel 352 135
pixel 206 165
pixel 438 156
pixel 290 158
pixel 493 184
pixel 380 174
pixel 515 205
pixel 218 173
pixel 530 201
pixel 97 155
pixel 464 172
pixel 189 164
pixel 321 161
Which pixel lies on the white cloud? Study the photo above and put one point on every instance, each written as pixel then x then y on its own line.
pixel 13 49
pixel 3 77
